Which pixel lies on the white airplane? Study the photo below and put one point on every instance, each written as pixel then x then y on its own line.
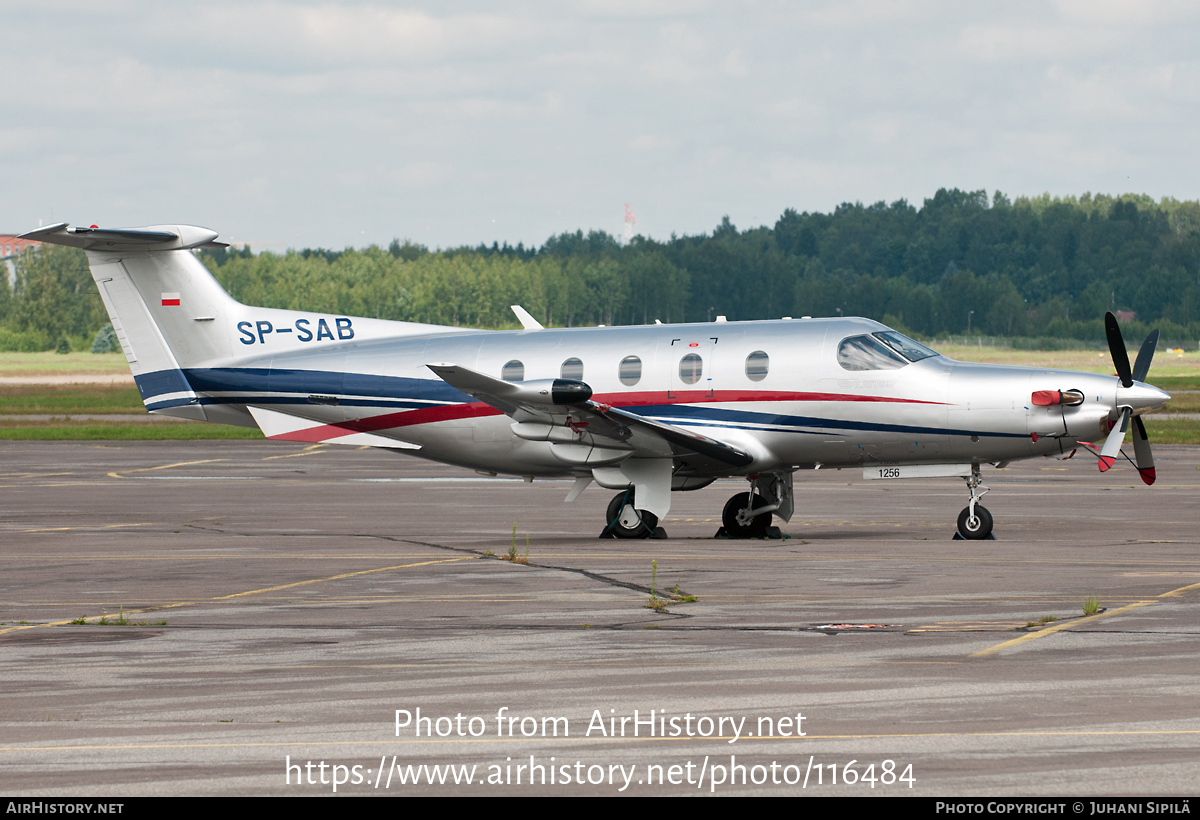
pixel 643 410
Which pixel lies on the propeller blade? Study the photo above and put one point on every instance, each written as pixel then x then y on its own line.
pixel 1116 348
pixel 1112 444
pixel 1141 365
pixel 1141 449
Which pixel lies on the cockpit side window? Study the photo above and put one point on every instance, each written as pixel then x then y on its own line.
pixel 868 353
pixel 906 347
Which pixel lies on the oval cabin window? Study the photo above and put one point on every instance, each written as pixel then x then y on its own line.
pixel 572 369
pixel 757 364
pixel 691 367
pixel 630 370
pixel 513 371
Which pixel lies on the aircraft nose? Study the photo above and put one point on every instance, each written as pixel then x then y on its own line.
pixel 1142 397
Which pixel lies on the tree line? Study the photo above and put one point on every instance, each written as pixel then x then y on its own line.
pixel 963 262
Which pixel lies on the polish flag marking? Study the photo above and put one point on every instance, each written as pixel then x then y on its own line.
pixel 170 299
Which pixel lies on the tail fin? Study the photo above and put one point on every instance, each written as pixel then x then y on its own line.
pixel 175 322
pixel 167 310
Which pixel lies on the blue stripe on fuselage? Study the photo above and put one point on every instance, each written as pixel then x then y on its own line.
pixel 161 382
pixel 699 415
pixel 399 392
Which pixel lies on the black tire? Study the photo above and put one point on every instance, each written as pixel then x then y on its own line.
pixel 978 529
pixel 645 527
pixel 757 528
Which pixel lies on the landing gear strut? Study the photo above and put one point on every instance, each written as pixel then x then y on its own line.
pixel 975 522
pixel 748 515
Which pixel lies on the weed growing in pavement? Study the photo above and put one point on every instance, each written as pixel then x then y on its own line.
pixel 1041 621
pixel 1091 606
pixel 655 603
pixel 681 596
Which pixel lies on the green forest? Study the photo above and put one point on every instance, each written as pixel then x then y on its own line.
pixel 1040 271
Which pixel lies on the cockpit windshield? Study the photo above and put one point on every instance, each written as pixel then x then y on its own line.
pixel 887 350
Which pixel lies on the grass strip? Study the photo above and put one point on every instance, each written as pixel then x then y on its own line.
pixel 1172 431
pixel 184 431
pixel 70 398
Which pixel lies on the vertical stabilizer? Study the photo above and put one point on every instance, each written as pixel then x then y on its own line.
pixel 166 308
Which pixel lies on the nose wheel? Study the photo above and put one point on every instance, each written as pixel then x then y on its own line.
pixel 977 526
pixel 743 516
pixel 975 522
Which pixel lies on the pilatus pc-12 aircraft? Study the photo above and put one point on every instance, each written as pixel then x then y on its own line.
pixel 643 410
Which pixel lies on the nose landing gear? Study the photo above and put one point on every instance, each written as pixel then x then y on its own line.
pixel 975 522
pixel 748 515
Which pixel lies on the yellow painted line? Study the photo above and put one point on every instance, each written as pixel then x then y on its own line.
pixel 1071 624
pixel 127 613
pixel 339 577
pixel 106 527
pixel 594 739
pixel 178 604
pixel 31 475
pixel 308 451
pixel 165 467
pixel 1056 628
pixel 1175 592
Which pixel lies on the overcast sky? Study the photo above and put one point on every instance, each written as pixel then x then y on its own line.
pixel 335 124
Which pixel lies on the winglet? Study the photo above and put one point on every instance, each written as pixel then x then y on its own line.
pixel 527 321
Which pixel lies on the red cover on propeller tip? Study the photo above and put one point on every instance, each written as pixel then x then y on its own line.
pixel 1106 462
pixel 1147 474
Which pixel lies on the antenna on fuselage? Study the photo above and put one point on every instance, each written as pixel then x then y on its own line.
pixel 527 321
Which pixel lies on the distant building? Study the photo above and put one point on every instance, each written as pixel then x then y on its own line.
pixel 10 246
pixel 1125 315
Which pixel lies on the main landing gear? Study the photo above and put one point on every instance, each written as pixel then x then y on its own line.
pixel 975 522
pixel 625 521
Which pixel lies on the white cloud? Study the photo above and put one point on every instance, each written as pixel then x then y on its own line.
pixel 327 119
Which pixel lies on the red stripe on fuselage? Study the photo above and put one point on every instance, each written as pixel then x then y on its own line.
pixel 660 397
pixel 478 409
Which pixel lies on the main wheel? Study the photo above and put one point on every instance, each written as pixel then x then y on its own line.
pixel 757 528
pixel 627 522
pixel 975 528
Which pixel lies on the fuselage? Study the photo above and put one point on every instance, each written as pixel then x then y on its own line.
pixel 786 391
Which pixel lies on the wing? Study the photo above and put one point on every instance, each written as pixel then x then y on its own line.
pixel 561 411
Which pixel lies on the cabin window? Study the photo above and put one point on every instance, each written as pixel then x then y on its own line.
pixel 691 367
pixel 868 353
pixel 630 371
pixel 572 369
pixel 513 371
pixel 757 364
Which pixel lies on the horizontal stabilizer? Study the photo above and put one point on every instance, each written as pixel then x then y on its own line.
pixel 282 427
pixel 153 238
